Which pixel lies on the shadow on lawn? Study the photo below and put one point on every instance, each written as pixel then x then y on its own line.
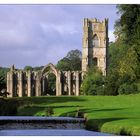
pixel 49 100
pixel 89 110
pixel 95 124
pixel 32 105
pixel 110 109
pixel 34 109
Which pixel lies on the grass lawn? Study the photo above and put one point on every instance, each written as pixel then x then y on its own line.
pixel 112 114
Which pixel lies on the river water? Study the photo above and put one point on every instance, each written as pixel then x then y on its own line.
pixel 51 132
pixel 44 126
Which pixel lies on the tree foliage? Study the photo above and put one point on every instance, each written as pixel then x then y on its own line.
pixel 26 68
pixel 71 62
pixel 129 31
pixel 127 26
pixel 124 55
pixel 3 72
pixel 93 83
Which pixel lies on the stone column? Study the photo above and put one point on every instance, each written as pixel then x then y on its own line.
pixel 38 85
pixel 10 84
pixel 83 75
pixel 58 84
pixel 20 79
pixel 73 83
pixel 69 83
pixel 43 84
pixel 105 66
pixel 29 86
pixel 77 83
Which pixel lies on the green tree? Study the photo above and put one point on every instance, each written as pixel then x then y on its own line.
pixel 28 68
pixel 124 54
pixel 38 68
pixel 72 61
pixel 3 73
pixel 128 25
pixel 93 84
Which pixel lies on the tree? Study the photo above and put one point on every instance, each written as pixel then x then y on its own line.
pixel 93 84
pixel 72 61
pixel 128 25
pixel 3 73
pixel 26 68
pixel 129 28
pixel 38 68
pixel 124 54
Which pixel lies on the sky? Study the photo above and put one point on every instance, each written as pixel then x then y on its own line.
pixel 36 35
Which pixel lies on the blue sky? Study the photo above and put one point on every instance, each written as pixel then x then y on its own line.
pixel 38 34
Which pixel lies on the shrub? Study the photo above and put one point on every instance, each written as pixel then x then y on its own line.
pixel 49 111
pixel 100 90
pixel 93 84
pixel 8 107
pixel 127 88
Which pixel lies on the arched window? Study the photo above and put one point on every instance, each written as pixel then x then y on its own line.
pixel 95 61
pixel 95 41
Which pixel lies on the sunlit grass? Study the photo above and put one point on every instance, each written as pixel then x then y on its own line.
pixel 111 114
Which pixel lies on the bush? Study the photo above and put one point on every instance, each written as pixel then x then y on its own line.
pixel 8 107
pixel 49 111
pixel 93 84
pixel 100 90
pixel 138 86
pixel 127 88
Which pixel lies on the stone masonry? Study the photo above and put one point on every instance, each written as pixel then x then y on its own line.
pixel 95 44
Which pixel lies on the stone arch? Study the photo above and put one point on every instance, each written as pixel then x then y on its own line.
pixel 50 68
pixel 95 40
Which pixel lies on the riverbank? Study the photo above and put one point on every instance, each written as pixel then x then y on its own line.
pixel 119 115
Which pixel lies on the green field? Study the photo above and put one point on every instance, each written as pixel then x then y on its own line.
pixel 112 114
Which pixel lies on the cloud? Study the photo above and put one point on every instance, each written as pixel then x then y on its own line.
pixel 38 34
pixel 62 29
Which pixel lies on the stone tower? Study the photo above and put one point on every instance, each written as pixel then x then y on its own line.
pixel 95 44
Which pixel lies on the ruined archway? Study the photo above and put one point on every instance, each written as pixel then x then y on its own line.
pixel 49 84
pixel 47 71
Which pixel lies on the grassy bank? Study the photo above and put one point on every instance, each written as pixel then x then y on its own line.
pixel 111 114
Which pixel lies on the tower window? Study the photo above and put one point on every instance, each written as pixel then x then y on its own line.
pixel 95 61
pixel 95 41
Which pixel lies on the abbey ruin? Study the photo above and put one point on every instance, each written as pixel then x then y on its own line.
pixel 94 52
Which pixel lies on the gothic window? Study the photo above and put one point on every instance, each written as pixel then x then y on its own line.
pixel 95 41
pixel 95 61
